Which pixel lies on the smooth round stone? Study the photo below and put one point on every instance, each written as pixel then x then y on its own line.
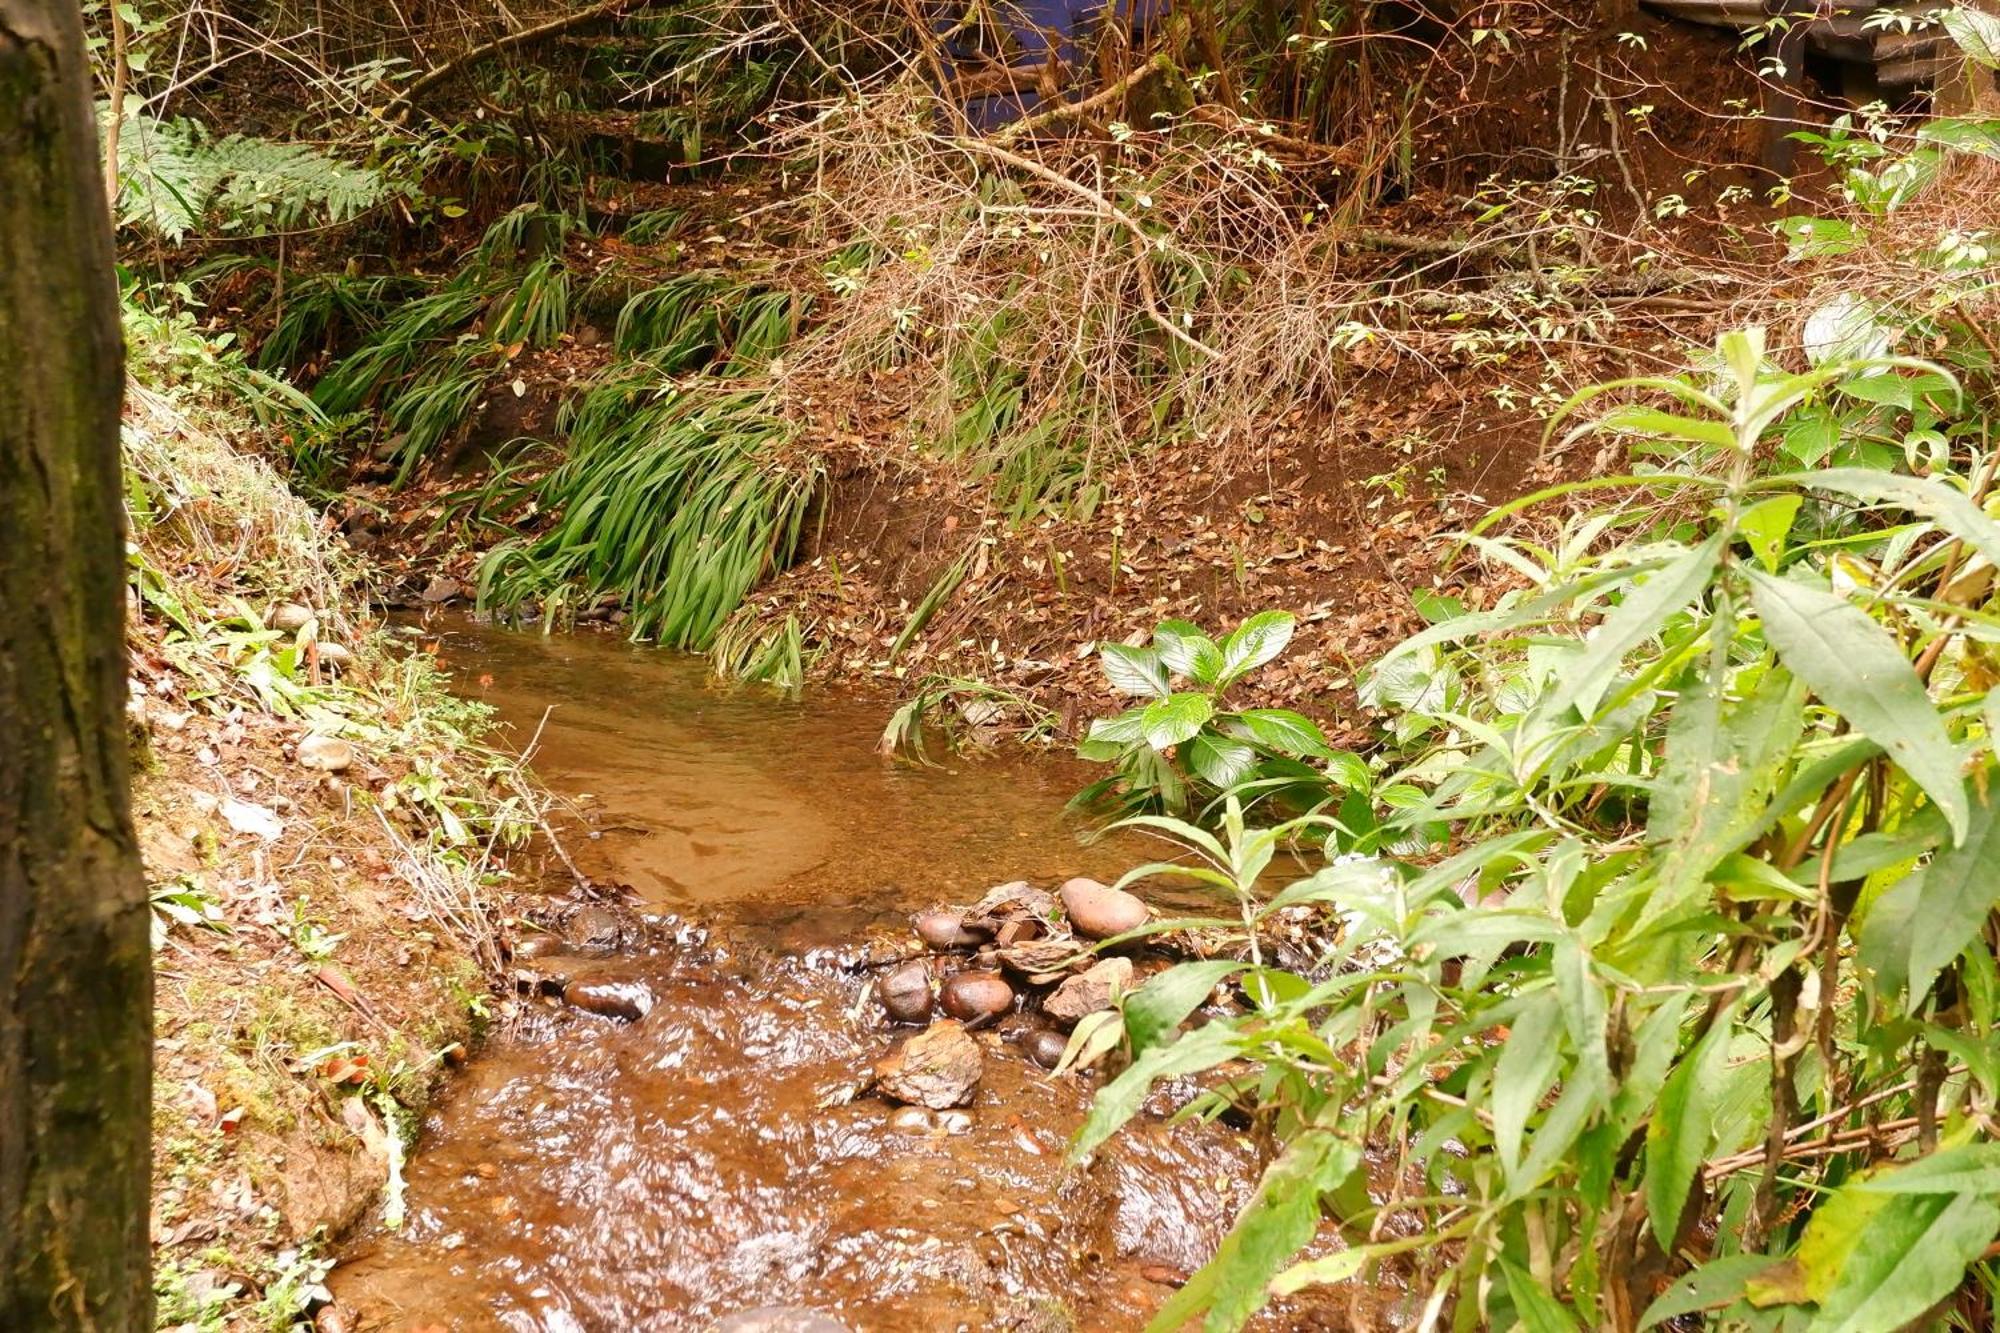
pixel 1097 911
pixel 905 992
pixel 970 996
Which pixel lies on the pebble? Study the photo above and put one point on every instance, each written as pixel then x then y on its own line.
pixel 336 655
pixel 937 1068
pixel 1090 991
pixel 539 945
pixel 905 993
pixel 327 754
pixel 955 1122
pixel 627 1001
pixel 913 1120
pixel 595 929
pixel 945 930
pixel 1098 912
pixel 971 996
pixel 291 617
pixel 1045 1047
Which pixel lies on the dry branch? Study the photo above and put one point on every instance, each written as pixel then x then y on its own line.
pixel 399 109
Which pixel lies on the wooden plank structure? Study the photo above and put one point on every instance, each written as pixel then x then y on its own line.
pixel 1877 57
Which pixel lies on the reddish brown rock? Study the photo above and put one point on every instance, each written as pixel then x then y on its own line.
pixel 1097 911
pixel 971 996
pixel 937 1068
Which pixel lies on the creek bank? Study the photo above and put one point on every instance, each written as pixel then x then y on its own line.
pixel 323 832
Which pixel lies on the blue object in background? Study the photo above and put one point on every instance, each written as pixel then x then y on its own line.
pixel 1035 31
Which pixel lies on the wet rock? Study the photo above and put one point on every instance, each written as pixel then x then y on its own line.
pixel 442 588
pixel 291 617
pixel 945 930
pixel 913 1120
pixel 595 929
pixel 626 1001
pixel 1089 992
pixel 954 1122
pixel 325 754
pixel 779 1319
pixel 1098 911
pixel 542 945
pixel 1044 1046
pixel 971 996
pixel 906 992
pixel 937 1068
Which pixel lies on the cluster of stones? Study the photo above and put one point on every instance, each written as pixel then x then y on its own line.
pixel 1028 950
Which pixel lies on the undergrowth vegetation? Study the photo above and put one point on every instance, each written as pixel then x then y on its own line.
pixel 1667 987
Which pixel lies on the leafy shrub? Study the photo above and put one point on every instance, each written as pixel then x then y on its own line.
pixel 1183 744
pixel 1699 1014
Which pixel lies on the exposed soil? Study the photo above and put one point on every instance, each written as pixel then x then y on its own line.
pixel 1339 510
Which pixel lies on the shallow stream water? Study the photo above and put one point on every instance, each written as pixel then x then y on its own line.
pixel 709 1158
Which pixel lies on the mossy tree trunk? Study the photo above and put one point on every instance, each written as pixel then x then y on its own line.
pixel 75 963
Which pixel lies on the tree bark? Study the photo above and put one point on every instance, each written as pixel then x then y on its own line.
pixel 75 959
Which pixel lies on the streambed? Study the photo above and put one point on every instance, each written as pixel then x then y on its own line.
pixel 709 1158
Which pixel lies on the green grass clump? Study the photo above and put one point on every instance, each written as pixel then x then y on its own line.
pixel 675 500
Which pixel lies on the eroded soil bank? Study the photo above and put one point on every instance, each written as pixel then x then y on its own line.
pixel 713 1155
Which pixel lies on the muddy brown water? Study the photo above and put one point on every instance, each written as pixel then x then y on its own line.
pixel 588 1174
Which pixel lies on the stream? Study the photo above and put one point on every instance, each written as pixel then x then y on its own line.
pixel 711 1158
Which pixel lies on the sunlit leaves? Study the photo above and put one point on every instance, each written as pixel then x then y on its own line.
pixel 1852 663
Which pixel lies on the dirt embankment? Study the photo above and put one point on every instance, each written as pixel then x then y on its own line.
pixel 323 838
pixel 1619 165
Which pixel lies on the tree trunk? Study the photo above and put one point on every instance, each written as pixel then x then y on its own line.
pixel 75 961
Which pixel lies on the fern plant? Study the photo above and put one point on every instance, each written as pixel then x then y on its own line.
pixel 175 180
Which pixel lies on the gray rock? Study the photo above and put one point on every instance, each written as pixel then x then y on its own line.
pixel 913 1120
pixel 325 754
pixel 336 655
pixel 937 1068
pixel 1098 912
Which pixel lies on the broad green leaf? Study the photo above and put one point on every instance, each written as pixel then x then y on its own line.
pixel 1967 1168
pixel 1186 651
pixel 1133 670
pixel 1765 525
pixel 1911 1253
pixel 1678 1137
pixel 1119 1100
pixel 1638 617
pixel 1856 667
pixel 1256 641
pixel 1539 1310
pixel 1220 761
pixel 1275 1225
pixel 1331 1270
pixel 1723 762
pixel 1124 728
pixel 1637 419
pixel 1977 34
pixel 1529 612
pixel 1283 730
pixel 1716 1283
pixel 1956 894
pixel 1950 509
pixel 1176 719
pixel 1524 1073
